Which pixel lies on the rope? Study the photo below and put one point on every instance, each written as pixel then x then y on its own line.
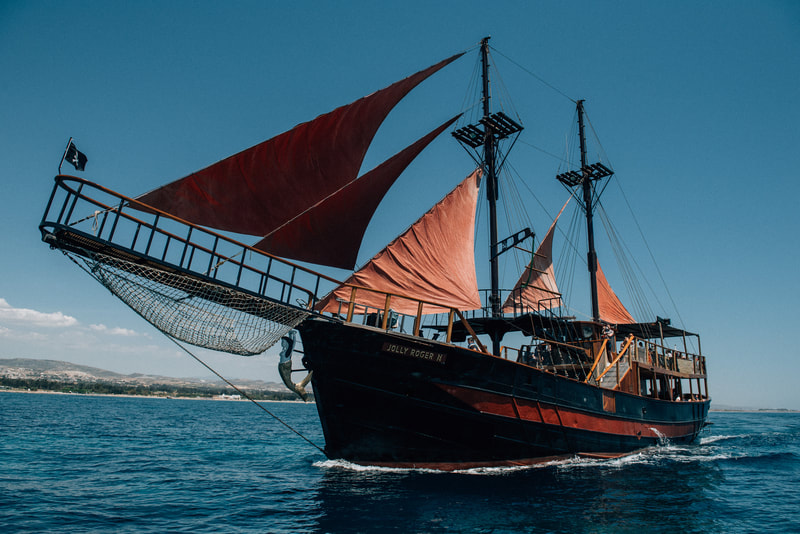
pixel 94 216
pixel 541 80
pixel 243 394
pixel 625 263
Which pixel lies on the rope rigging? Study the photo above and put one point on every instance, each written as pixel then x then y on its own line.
pixel 537 77
pixel 244 394
pixel 640 291
pixel 623 259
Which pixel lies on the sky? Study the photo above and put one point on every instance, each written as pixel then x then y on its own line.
pixel 694 103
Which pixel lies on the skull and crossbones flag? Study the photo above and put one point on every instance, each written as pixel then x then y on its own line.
pixel 75 156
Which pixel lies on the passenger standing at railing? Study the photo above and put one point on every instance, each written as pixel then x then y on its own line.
pixel 611 344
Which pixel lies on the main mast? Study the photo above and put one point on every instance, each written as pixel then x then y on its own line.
pixel 491 128
pixel 491 190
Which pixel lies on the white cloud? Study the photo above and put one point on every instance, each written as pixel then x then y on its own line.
pixel 33 317
pixel 116 331
pixel 21 335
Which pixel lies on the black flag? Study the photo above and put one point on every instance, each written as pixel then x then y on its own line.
pixel 75 156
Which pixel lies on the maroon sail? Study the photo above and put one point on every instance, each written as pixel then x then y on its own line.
pixel 536 288
pixel 432 261
pixel 330 232
pixel 611 308
pixel 259 189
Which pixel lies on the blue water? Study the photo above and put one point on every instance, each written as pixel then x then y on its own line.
pixel 110 464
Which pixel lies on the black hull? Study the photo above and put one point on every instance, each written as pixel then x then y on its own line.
pixel 391 399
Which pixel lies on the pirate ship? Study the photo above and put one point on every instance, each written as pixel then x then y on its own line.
pixel 409 364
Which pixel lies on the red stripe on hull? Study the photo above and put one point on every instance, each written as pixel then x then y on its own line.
pixel 550 414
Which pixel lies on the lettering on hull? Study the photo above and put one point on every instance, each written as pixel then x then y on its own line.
pixel 414 352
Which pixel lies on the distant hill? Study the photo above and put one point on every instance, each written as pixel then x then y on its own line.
pixel 48 374
pixel 27 367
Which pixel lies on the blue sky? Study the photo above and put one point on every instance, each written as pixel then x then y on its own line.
pixel 695 104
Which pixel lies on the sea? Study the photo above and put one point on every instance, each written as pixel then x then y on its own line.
pixel 78 463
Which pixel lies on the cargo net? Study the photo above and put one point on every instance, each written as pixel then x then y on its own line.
pixel 197 312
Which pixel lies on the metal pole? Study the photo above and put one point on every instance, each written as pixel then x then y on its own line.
pixel 64 155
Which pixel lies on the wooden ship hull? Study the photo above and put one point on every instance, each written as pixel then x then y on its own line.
pixel 392 399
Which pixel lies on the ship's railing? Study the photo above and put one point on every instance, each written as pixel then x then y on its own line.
pixel 549 307
pixel 668 367
pixel 609 361
pixel 651 353
pixel 437 313
pixel 88 219
pixel 669 371
pixel 385 317
pixel 552 356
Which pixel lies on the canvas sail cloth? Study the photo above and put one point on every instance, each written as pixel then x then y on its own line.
pixel 259 189
pixel 610 307
pixel 536 288
pixel 433 260
pixel 330 232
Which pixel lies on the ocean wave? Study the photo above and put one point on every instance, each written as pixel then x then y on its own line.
pixel 498 470
pixel 350 466
pixel 650 455
pixel 710 449
pixel 714 439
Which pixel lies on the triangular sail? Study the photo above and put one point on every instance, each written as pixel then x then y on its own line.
pixel 259 189
pixel 536 288
pixel 330 233
pixel 611 309
pixel 432 261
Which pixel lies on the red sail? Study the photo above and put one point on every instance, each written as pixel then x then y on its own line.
pixel 259 189
pixel 611 309
pixel 536 289
pixel 330 232
pixel 433 260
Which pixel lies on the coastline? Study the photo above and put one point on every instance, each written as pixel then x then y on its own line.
pixel 124 395
pixel 227 399
pixel 752 410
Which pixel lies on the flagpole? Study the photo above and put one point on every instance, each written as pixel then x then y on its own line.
pixel 64 155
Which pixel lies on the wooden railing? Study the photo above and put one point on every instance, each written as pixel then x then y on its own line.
pixel 659 356
pixel 353 308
